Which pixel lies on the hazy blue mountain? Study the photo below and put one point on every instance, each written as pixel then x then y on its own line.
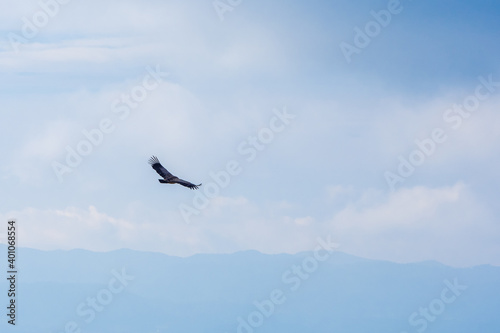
pixel 218 293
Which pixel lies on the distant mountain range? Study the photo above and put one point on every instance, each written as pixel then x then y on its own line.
pixel 125 291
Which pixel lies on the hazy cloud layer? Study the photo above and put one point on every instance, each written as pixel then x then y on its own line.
pixel 85 105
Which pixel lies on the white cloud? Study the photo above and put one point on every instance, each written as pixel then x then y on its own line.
pixel 304 221
pixel 478 135
pixel 335 192
pixel 28 163
pixel 446 224
pixel 79 55
pixel 229 225
pixel 127 33
pixel 70 228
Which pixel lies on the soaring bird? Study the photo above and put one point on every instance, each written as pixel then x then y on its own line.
pixel 168 178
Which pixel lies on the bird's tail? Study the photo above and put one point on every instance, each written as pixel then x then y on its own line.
pixel 163 181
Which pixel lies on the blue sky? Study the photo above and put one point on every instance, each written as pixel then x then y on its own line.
pixel 323 173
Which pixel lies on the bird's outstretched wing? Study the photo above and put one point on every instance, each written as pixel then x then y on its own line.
pixel 186 183
pixel 155 163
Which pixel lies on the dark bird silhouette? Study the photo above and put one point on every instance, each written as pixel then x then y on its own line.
pixel 168 178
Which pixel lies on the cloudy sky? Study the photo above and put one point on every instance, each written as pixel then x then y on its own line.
pixel 374 122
